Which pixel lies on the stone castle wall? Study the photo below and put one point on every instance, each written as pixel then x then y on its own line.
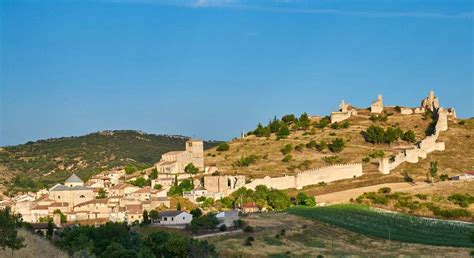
pixel 427 145
pixel 310 177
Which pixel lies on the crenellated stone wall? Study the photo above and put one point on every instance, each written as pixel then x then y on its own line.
pixel 427 145
pixel 310 177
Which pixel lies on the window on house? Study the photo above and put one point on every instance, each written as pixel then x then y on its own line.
pixel 172 219
pixel 165 219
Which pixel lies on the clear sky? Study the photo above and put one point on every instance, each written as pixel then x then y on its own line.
pixel 211 69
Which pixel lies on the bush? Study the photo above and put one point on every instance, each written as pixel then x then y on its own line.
pixel 248 241
pixel 286 149
pixel 248 229
pixel 366 160
pixel 223 228
pixel 378 118
pixel 287 158
pixel 245 161
pixel 223 147
pixel 463 200
pixel 299 147
pixel 311 144
pixel 332 160
pixel 444 177
pixel 377 154
pixel 337 145
pixel 321 146
pixel 384 190
pixel 283 132
pixel 409 136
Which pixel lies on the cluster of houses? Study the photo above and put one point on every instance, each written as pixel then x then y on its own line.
pixel 109 196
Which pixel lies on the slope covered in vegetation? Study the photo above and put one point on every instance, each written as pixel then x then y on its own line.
pixel 46 162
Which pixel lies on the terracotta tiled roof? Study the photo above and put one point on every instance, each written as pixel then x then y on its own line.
pixel 249 205
pixel 143 190
pixel 470 173
pixel 92 201
pixel 59 204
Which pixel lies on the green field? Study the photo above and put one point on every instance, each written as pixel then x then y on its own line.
pixel 395 226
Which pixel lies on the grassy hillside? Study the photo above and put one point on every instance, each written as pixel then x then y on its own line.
pixel 50 161
pixel 268 159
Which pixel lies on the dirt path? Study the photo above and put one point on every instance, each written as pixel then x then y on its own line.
pixel 218 234
pixel 345 196
pixel 419 187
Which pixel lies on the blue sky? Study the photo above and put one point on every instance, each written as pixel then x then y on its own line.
pixel 210 69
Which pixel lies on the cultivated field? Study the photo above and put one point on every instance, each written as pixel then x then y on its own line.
pixel 309 238
pixel 393 226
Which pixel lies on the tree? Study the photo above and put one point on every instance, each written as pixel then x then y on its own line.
pixel 196 212
pixel 50 229
pixel 223 147
pixel 433 170
pixel 374 134
pixel 146 219
pixel 191 169
pixel 154 215
pixel 178 206
pixel 409 136
pixel 303 199
pixel 303 121
pixel 130 169
pixel 9 223
pixel 289 119
pixel 158 187
pixel 63 217
pixel 286 149
pixel 337 145
pixel 154 174
pixel 283 132
pixel 102 194
pixel 274 125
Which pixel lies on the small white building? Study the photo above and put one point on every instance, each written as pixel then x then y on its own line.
pixel 227 218
pixel 174 217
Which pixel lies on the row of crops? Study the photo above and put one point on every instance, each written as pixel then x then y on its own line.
pixel 395 226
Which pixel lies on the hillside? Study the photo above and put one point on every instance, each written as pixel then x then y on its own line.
pixel 50 161
pixel 268 157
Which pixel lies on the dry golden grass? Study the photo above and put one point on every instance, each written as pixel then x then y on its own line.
pixel 308 238
pixel 456 159
pixel 458 156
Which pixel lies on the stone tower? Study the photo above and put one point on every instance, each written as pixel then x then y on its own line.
pixel 196 147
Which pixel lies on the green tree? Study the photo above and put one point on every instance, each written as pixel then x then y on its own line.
pixel 154 215
pixel 102 194
pixel 50 229
pixel 9 223
pixel 337 145
pixel 274 125
pixel 154 174
pixel 283 132
pixel 433 170
pixel 286 149
pixel 303 199
pixel 178 206
pixel 409 136
pixel 289 119
pixel 130 169
pixel 223 146
pixel 191 169
pixel 303 121
pixel 146 219
pixel 196 212
pixel 374 134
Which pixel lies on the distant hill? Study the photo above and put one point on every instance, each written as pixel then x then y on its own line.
pixel 50 161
